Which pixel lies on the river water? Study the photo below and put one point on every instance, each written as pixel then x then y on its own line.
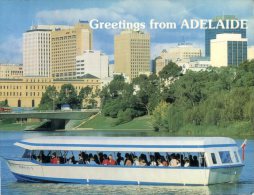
pixel 9 185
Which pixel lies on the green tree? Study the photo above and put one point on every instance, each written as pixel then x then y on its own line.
pixel 4 103
pixel 49 99
pixel 84 94
pixel 68 95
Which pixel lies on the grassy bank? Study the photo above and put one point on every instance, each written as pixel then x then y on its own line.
pixel 12 125
pixel 107 123
pixel 144 123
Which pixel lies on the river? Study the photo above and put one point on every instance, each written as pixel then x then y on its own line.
pixel 10 186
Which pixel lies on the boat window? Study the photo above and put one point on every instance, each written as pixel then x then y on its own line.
pixel 213 158
pixel 27 154
pixel 236 156
pixel 225 157
pixel 124 158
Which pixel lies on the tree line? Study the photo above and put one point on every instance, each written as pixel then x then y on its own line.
pixel 216 96
pixel 52 99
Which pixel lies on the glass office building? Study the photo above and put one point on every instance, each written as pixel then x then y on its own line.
pixel 211 33
pixel 237 52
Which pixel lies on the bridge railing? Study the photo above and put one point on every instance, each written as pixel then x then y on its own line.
pixel 50 111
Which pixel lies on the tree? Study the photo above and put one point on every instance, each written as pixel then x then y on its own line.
pixel 83 95
pixel 170 71
pixel 4 103
pixel 68 95
pixel 49 99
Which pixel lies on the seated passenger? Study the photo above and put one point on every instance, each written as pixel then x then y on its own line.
pixel 121 161
pixel 128 161
pixel 195 161
pixel 174 162
pixel 100 154
pixel 142 162
pixel 159 162
pixel 92 162
pixel 136 161
pixel 81 160
pixel 191 160
pixel 186 162
pixel 152 161
pixel 111 161
pixel 163 161
pixel 54 159
pixel 105 159
pixel 119 157
pixel 71 160
pixel 96 159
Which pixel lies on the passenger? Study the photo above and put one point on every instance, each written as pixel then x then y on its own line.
pixel 195 161
pixel 54 159
pixel 152 161
pixel 42 157
pixel 186 162
pixel 96 159
pixel 121 161
pixel 81 160
pixel 142 162
pixel 157 156
pixel 105 159
pixel 174 162
pixel 71 160
pixel 111 161
pixel 143 156
pixel 92 162
pixel 127 161
pixel 86 159
pixel 119 157
pixel 159 163
pixel 163 161
pixel 136 161
pixel 100 157
pixel 191 160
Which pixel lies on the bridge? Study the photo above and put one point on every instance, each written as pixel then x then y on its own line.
pixel 56 119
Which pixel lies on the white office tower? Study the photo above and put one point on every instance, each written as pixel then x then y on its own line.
pixel 92 62
pixel 36 49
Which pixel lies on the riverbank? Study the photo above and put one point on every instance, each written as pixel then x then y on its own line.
pixel 236 129
pixel 106 123
pixel 8 124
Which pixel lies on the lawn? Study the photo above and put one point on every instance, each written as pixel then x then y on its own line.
pixel 102 122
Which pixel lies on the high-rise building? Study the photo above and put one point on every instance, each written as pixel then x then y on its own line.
pixel 251 53
pixel 10 71
pixel 179 55
pixel 66 44
pixel 36 49
pixel 132 53
pixel 228 50
pixel 211 33
pixel 92 62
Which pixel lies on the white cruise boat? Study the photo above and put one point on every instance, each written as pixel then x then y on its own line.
pixel 128 160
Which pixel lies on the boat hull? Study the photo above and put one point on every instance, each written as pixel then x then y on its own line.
pixel 28 171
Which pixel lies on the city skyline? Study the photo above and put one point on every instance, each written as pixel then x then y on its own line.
pixel 68 13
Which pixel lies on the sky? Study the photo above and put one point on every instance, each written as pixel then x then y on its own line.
pixel 16 16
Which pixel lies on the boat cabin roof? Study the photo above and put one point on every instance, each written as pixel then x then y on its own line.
pixel 166 144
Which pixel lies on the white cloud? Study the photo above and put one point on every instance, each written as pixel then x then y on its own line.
pixel 11 50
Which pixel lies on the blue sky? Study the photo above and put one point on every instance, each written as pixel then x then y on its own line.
pixel 16 16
